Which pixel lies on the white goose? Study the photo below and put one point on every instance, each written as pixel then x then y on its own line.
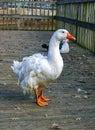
pixel 64 46
pixel 37 71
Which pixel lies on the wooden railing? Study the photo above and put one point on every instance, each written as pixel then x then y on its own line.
pixel 78 16
pixel 27 15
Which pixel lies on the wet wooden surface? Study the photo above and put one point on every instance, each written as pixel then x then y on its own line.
pixel 73 93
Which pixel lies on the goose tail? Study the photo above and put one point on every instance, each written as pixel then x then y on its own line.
pixel 16 67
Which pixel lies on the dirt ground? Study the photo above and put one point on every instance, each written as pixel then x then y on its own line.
pixel 73 93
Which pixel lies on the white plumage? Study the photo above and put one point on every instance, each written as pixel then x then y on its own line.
pixel 37 71
pixel 65 47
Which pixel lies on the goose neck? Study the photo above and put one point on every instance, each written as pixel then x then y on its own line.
pixel 54 52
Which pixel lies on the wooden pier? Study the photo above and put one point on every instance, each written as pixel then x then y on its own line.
pixel 73 94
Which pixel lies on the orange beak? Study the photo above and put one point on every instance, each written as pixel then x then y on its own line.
pixel 70 37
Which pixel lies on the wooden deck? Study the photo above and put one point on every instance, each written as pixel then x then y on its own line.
pixel 73 94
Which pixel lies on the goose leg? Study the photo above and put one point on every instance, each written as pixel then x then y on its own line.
pixel 43 97
pixel 38 99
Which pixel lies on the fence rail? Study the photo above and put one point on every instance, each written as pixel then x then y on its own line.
pixel 78 16
pixel 74 1
pixel 87 25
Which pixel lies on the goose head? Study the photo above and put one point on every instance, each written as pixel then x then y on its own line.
pixel 58 36
pixel 63 34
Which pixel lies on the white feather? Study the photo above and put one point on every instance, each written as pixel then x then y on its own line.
pixel 65 47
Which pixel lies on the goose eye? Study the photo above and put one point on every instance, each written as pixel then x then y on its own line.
pixel 62 31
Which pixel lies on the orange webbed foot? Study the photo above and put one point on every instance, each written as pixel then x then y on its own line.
pixel 40 102
pixel 45 99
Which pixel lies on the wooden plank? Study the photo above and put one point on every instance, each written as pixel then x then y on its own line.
pixel 74 1
pixel 69 109
pixel 80 17
pixel 87 25
pixel 25 16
